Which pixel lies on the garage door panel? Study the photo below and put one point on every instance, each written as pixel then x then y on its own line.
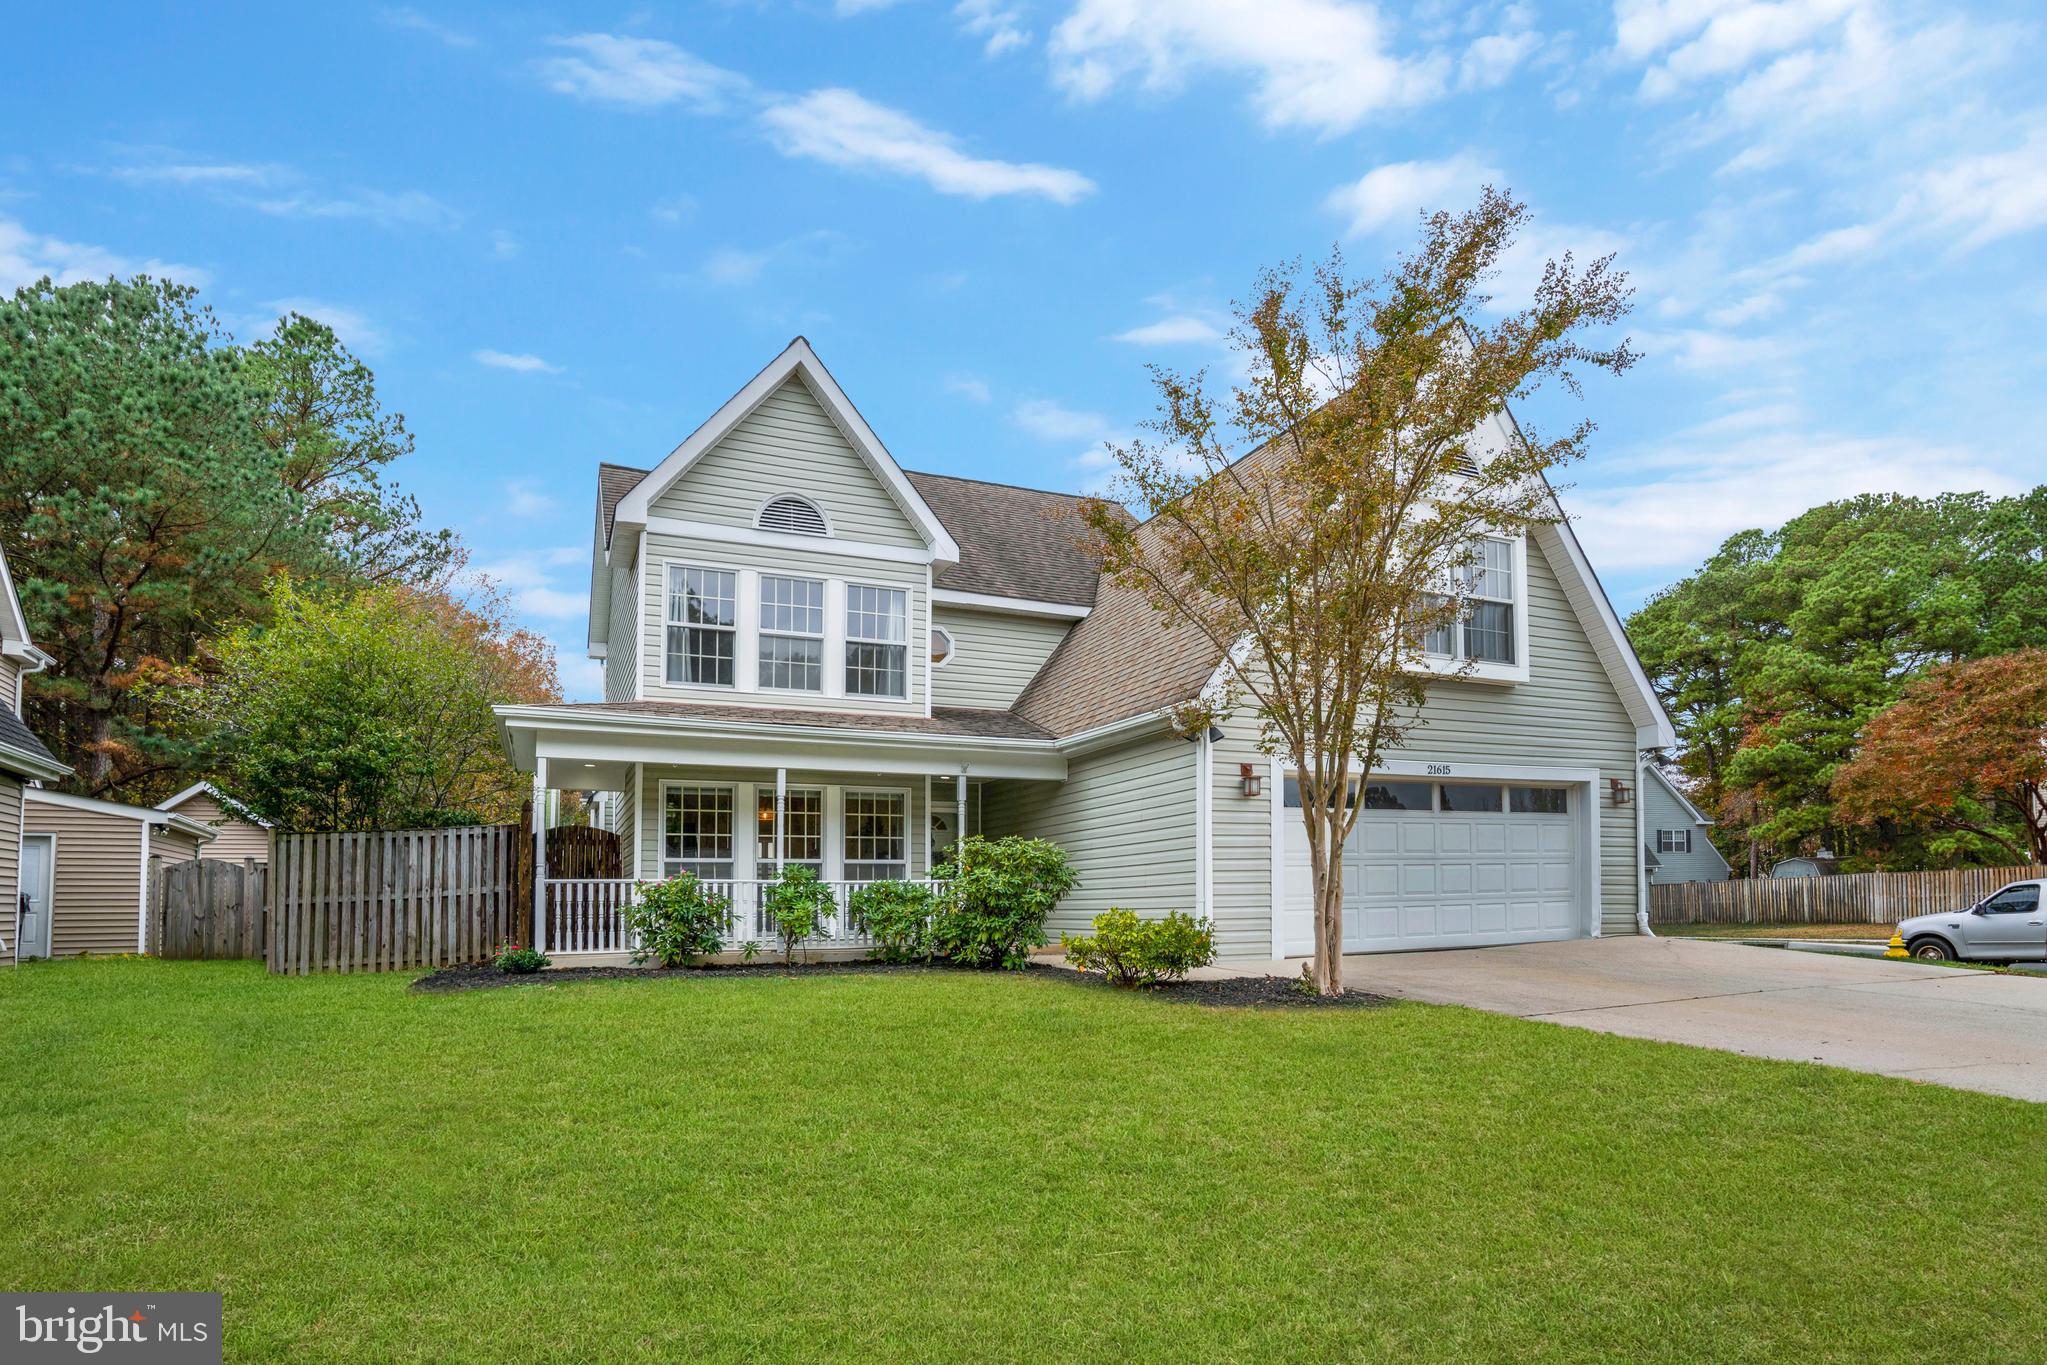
pixel 1454 837
pixel 1417 837
pixel 1488 837
pixel 1375 837
pixel 1418 879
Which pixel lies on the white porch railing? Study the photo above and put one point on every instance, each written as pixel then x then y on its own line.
pixel 587 915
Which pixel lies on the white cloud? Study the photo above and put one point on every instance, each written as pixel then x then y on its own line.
pixel 843 129
pixel 969 386
pixel 1051 421
pixel 1702 349
pixel 413 21
pixel 385 208
pixel 644 72
pixel 734 266
pixel 278 190
pixel 730 265
pixel 519 363
pixel 1489 60
pixel 1181 329
pixel 1717 39
pixel 1325 65
pixel 674 210
pixel 503 244
pixel 1679 501
pixel 26 257
pixel 523 498
pixel 1397 193
pixel 351 325
pixel 531 588
pixel 999 26
pixel 201 173
pixel 1977 199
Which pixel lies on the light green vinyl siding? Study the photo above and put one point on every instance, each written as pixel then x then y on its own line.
pixel 659 550
pixel 789 445
pixel 995 655
pixel 1240 847
pixel 10 862
pixel 1126 819
pixel 1566 715
pixel 627 828
pixel 622 651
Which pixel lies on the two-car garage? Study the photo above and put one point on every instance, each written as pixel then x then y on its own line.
pixel 1459 860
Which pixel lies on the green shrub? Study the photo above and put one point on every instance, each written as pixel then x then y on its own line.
pixel 897 916
pixel 994 897
pixel 677 921
pixel 1142 952
pixel 514 960
pixel 801 905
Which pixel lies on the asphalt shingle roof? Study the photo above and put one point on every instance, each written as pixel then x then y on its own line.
pixel 20 738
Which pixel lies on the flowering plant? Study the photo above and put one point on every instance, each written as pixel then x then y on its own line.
pixel 512 958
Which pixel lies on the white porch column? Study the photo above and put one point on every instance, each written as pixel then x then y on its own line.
pixel 539 855
pixel 959 806
pixel 781 815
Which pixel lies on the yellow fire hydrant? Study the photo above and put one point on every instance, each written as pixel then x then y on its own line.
pixel 1897 948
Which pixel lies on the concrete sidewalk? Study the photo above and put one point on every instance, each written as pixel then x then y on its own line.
pixel 1970 1029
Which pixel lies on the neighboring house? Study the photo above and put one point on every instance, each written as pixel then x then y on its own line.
pixel 239 836
pixel 813 655
pixel 100 855
pixel 1678 849
pixel 24 902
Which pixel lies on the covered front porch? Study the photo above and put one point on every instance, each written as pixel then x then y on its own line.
pixel 734 801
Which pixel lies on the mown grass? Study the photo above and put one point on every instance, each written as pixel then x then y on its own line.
pixel 1869 933
pixel 951 1166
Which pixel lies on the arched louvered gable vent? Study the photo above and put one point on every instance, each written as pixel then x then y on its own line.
pixel 791 513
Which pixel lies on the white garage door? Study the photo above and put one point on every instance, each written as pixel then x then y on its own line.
pixel 1451 864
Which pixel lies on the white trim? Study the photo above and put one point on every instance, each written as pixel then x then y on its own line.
pixel 1642 851
pixel 1204 825
pixel 847 639
pixel 1112 732
pixel 14 640
pixel 1519 773
pixel 31 765
pixel 952 647
pixel 792 496
pixel 141 899
pixel 743 817
pixel 1020 606
pixel 738 628
pixel 599 652
pixel 784 540
pixel 931 624
pixel 219 800
pixel 1275 788
pixel 184 824
pixel 796 360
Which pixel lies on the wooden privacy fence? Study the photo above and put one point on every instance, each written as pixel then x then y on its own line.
pixel 580 852
pixel 207 908
pixel 1846 898
pixel 395 900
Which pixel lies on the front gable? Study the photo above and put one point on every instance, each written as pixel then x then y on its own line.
pixel 789 445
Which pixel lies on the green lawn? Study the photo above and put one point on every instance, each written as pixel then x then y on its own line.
pixel 999 1167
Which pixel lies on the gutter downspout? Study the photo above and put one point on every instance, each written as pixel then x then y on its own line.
pixel 1641 859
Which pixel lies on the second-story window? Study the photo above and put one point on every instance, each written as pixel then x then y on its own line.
pixel 792 633
pixel 1486 634
pixel 877 642
pixel 703 625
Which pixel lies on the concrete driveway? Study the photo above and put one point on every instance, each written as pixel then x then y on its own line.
pixel 1970 1029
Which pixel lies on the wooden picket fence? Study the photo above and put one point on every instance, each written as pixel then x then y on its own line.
pixel 208 908
pixel 1845 898
pixel 581 852
pixel 396 900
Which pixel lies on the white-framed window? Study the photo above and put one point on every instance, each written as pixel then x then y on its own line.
pixel 696 830
pixel 1487 630
pixel 703 626
pixel 802 830
pixel 942 647
pixel 877 641
pixel 877 835
pixel 793 513
pixel 1673 841
pixel 792 633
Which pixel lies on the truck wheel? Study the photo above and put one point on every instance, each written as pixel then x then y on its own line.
pixel 1931 949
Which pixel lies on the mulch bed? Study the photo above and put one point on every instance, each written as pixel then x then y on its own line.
pixel 1236 992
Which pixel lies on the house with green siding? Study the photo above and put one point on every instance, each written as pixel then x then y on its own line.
pixel 814 655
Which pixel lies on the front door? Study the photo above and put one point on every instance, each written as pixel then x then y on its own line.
pixel 34 923
pixel 2011 925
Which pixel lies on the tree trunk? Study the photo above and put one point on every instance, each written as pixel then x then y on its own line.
pixel 1328 859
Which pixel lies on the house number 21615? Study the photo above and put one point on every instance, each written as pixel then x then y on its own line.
pixel 1438 769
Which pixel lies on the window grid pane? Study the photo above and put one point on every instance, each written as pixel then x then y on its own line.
pixel 803 831
pixel 696 831
pixel 879 614
pixel 877 836
pixel 1538 800
pixel 877 641
pixel 703 608
pixel 1489 633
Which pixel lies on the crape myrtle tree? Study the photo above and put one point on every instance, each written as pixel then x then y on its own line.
pixel 1316 565
pixel 1963 750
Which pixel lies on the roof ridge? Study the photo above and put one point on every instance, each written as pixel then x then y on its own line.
pixel 997 483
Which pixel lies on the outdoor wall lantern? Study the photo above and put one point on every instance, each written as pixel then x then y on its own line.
pixel 1621 794
pixel 1253 784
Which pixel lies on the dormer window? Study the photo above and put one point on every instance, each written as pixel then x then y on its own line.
pixel 1486 633
pixel 796 515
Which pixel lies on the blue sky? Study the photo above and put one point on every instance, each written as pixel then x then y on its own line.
pixel 566 234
